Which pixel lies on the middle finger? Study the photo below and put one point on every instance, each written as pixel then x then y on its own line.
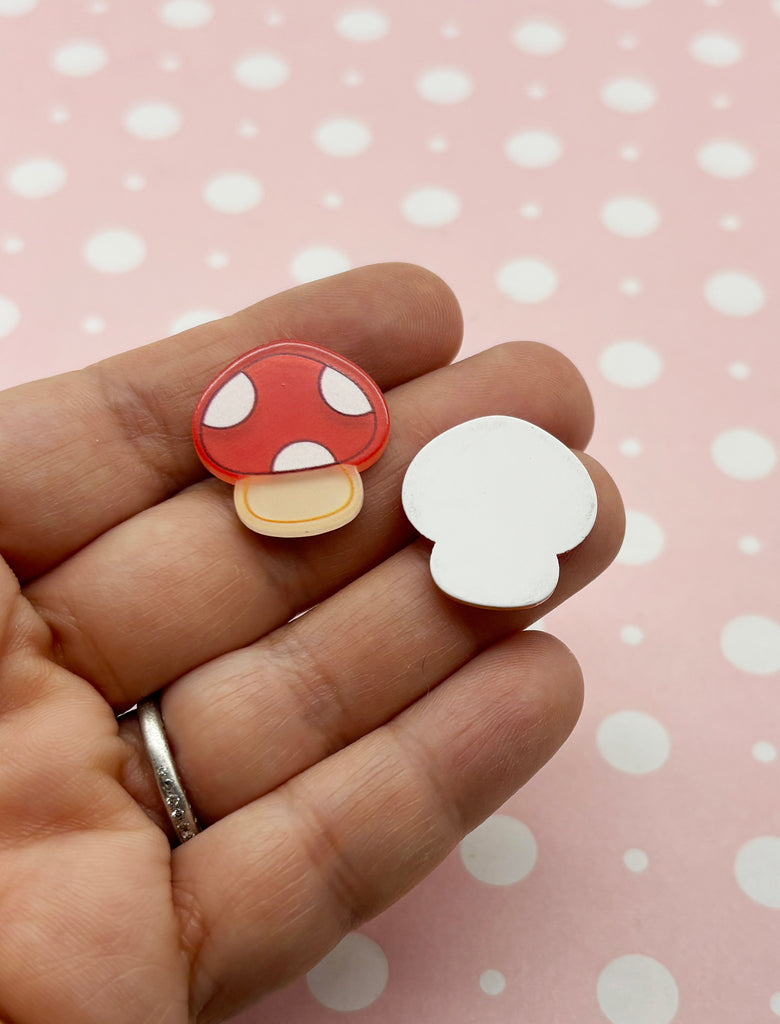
pixel 247 722
pixel 184 581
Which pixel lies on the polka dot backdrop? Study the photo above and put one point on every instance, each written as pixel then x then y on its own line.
pixel 601 176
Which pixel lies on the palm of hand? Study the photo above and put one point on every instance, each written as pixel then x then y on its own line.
pixel 336 758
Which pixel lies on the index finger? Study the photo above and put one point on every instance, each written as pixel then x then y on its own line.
pixel 84 451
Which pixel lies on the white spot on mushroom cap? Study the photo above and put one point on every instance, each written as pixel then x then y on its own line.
pixel 343 394
pixel 301 455
pixel 501 498
pixel 234 401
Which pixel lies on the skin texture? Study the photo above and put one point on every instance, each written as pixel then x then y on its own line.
pixel 336 758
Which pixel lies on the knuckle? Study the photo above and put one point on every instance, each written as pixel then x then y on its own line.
pixel 560 387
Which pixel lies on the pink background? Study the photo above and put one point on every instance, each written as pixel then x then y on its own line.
pixel 598 175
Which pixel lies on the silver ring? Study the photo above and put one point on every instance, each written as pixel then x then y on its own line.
pixel 168 782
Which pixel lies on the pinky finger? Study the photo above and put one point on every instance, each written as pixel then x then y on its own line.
pixel 266 892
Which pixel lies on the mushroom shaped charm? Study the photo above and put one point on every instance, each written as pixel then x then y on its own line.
pixel 292 426
pixel 501 498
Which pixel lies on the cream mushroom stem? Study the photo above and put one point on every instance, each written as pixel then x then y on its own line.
pixel 303 503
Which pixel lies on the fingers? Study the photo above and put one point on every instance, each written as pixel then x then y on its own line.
pixel 85 904
pixel 263 894
pixel 244 724
pixel 184 582
pixel 85 451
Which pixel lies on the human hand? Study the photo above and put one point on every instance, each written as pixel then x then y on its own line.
pixel 334 759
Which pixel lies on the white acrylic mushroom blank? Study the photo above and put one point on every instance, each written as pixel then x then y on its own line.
pixel 501 499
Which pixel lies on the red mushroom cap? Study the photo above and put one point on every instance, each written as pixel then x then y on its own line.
pixel 286 407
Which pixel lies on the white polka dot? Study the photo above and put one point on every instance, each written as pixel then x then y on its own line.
pixel 539 624
pixel 248 130
pixel 450 30
pixel 93 324
pixel 734 293
pixel 12 245
pixel 628 41
pixel 362 25
pixel 445 85
pixel 744 454
pixel 431 207
pixel 635 860
pixel 774 1002
pixel 527 280
pixel 37 178
pixel 352 78
pixel 134 182
pixel 629 4
pixel 764 751
pixel 752 644
pixel 217 259
pixel 749 545
pixel 628 95
pixel 533 149
pixel 633 742
pixel 716 49
pixel 274 19
pixel 79 59
pixel 193 318
pixel 644 540
pixel 59 115
pixel 739 370
pixel 351 976
pixel 630 286
pixel 232 403
pixel 725 159
pixel 13 8
pixel 630 216
pixel 636 989
pixel 115 251
pixel 757 869
pixel 342 394
pixel 721 101
pixel 492 983
pixel 99 6
pixel 500 851
pixel 541 38
pixel 234 192
pixel 155 120
pixel 730 222
pixel 342 136
pixel 170 62
pixel 629 153
pixel 776 6
pixel 536 91
pixel 630 446
pixel 316 262
pixel 630 364
pixel 531 210
pixel 332 200
pixel 631 635
pixel 186 13
pixel 9 316
pixel 262 71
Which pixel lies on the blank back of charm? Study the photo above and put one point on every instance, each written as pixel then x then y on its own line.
pixel 501 499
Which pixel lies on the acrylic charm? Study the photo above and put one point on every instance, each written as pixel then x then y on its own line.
pixel 501 499
pixel 292 426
